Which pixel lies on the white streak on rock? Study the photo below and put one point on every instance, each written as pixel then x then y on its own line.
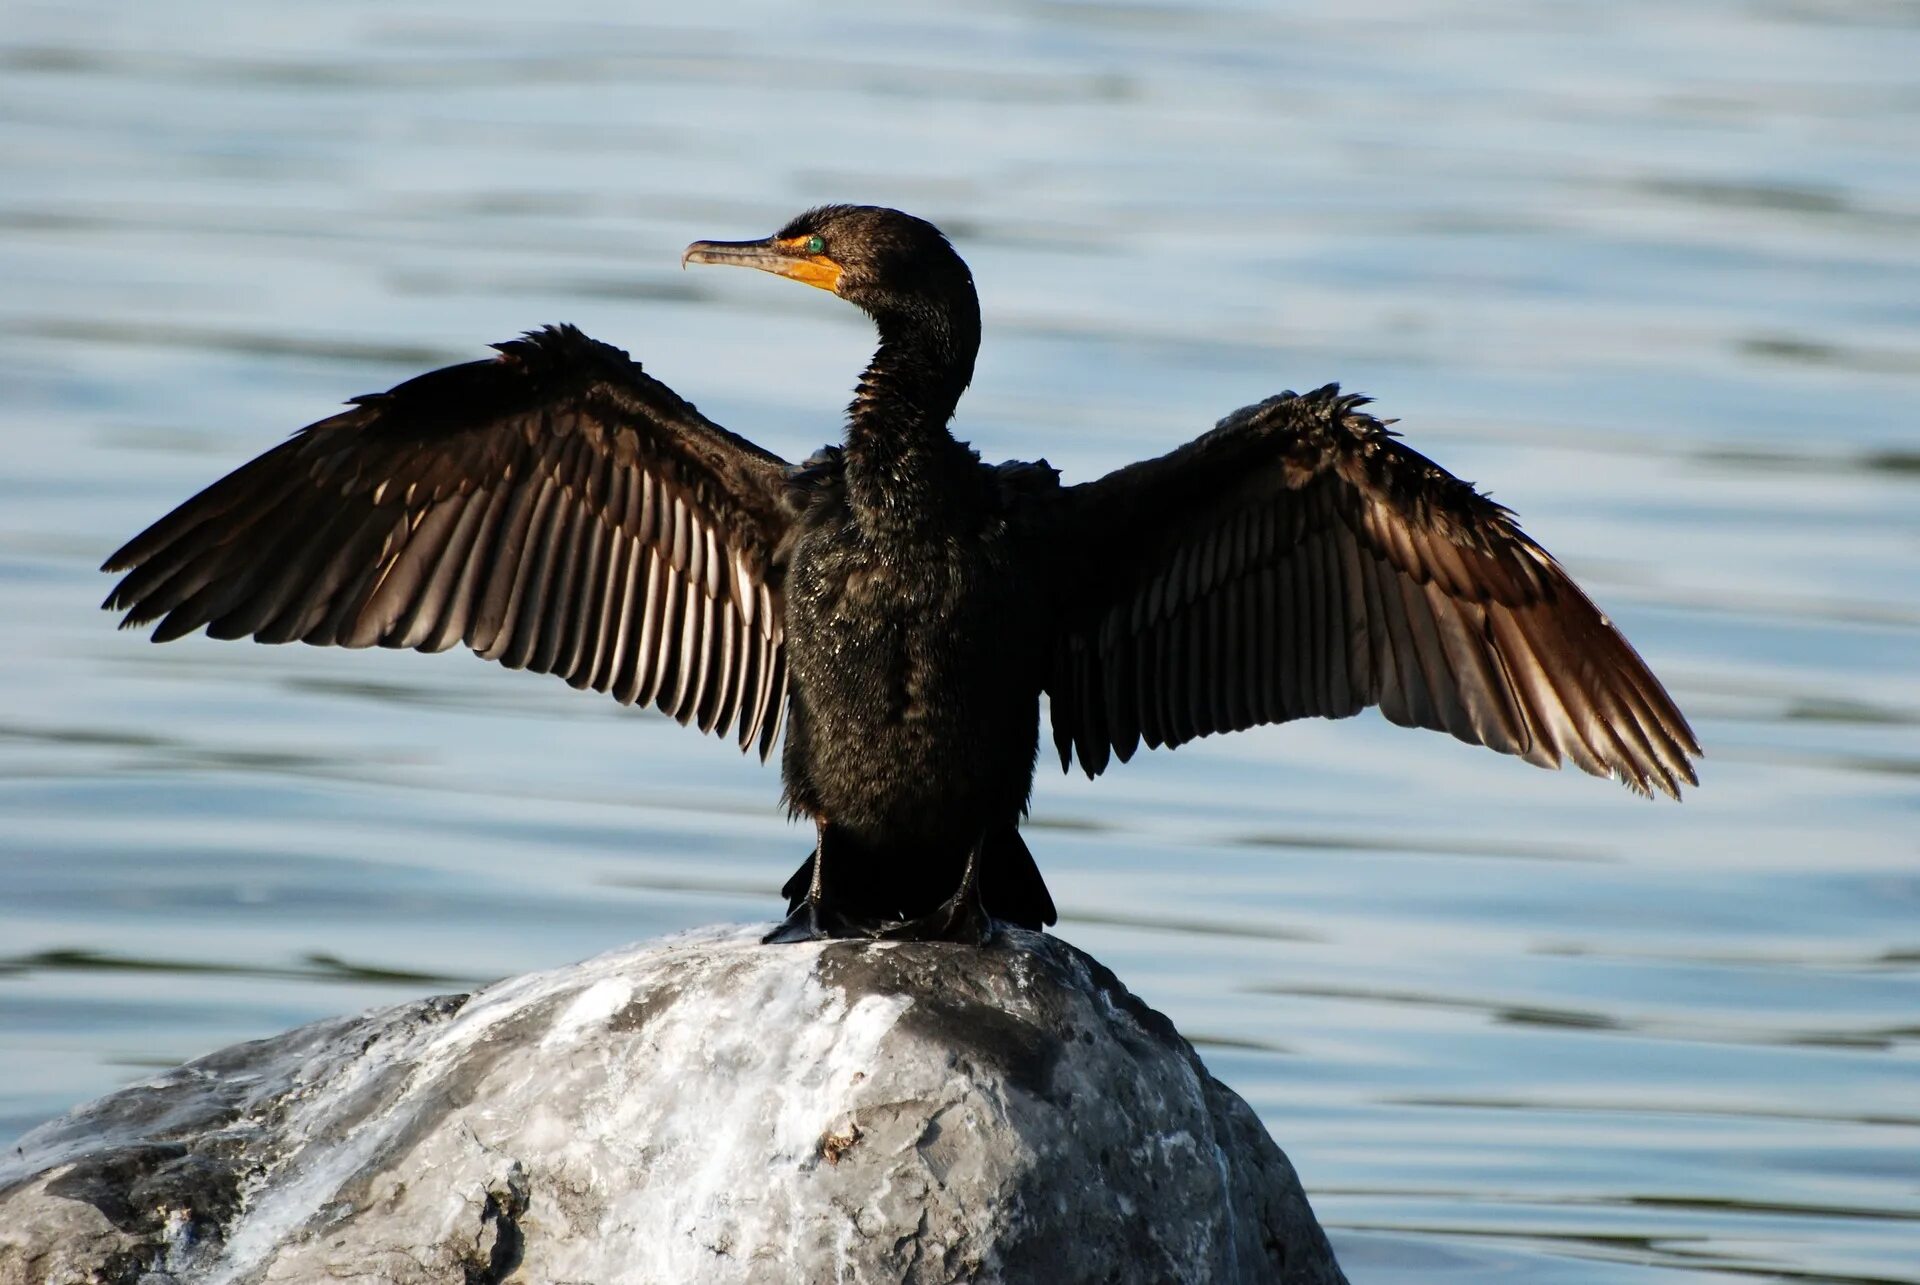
pixel 594 1006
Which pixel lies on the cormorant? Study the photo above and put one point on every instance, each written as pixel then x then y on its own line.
pixel 903 604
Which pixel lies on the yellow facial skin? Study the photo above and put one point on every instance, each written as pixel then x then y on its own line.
pixel 810 269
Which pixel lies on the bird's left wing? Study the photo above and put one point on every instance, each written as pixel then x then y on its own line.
pixel 1299 561
pixel 555 509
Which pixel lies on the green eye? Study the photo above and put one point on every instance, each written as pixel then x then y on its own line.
pixel 815 245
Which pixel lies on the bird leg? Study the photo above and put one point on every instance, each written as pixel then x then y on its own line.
pixel 814 917
pixel 960 918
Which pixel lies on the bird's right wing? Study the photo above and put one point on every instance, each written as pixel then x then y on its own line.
pixel 555 509
pixel 1300 562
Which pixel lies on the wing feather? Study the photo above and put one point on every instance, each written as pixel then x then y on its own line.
pixel 1298 561
pixel 477 550
pixel 555 509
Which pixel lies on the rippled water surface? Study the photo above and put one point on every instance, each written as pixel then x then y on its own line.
pixel 1650 272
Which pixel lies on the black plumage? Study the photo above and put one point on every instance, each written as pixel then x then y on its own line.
pixel 902 605
pixel 554 509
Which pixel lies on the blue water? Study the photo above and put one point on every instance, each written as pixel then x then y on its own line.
pixel 1650 272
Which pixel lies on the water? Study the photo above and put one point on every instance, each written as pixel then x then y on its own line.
pixel 1650 272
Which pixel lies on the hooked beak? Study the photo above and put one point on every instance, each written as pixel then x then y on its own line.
pixel 785 258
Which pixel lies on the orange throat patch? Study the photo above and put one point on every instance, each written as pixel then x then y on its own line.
pixel 815 269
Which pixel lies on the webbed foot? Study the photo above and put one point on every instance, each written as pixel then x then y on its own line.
pixel 960 918
pixel 815 921
pixel 814 916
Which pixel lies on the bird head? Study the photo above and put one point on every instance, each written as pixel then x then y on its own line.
pixel 890 264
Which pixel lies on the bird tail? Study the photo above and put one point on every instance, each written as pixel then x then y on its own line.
pixel 1010 882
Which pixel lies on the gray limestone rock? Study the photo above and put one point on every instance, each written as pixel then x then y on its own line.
pixel 699 1109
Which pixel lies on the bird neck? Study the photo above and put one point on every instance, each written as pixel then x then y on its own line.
pixel 903 467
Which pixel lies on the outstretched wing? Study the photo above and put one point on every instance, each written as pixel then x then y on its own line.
pixel 1298 561
pixel 554 509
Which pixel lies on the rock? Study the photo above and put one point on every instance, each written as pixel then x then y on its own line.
pixel 700 1109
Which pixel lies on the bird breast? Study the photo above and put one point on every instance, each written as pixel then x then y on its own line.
pixel 915 664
